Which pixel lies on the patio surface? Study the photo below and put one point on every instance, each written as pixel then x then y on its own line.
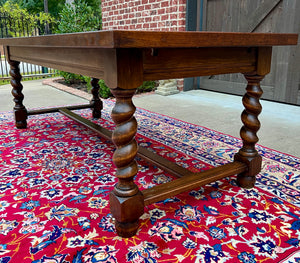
pixel 221 112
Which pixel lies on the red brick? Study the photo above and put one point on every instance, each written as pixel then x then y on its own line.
pixel 161 24
pixel 146 13
pixel 173 9
pixel 164 4
pixel 164 17
pixel 161 11
pixel 153 25
pixel 181 8
pixel 141 20
pixel 148 7
pixel 173 16
pixel 144 2
pixel 181 15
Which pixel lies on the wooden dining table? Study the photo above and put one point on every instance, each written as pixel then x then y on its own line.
pixel 124 59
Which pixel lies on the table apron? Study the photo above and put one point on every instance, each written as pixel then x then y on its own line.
pixel 85 61
pixel 191 62
pixel 163 63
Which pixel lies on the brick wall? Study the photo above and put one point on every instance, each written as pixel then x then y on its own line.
pixel 166 15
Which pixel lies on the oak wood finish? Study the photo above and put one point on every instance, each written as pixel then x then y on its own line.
pixel 56 109
pixel 248 154
pixel 19 109
pixel 105 133
pixel 124 59
pixel 126 196
pixel 96 101
pixel 154 39
pixel 171 63
pixel 189 182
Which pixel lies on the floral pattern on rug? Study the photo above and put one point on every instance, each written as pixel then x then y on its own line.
pixel 55 178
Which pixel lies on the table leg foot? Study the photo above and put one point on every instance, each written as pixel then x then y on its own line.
pixel 248 178
pixel 246 181
pixel 126 211
pixel 126 200
pixel 96 101
pixel 248 154
pixel 20 124
pixel 126 230
pixel 19 109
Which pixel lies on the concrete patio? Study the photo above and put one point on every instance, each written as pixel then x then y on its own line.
pixel 280 122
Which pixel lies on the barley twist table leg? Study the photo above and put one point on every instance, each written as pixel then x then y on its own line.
pixel 19 109
pixel 248 154
pixel 126 201
pixel 96 101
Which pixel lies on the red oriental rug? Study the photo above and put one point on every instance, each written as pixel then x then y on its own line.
pixel 56 175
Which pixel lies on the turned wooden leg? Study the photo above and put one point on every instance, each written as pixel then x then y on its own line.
pixel 19 109
pixel 248 154
pixel 96 101
pixel 126 201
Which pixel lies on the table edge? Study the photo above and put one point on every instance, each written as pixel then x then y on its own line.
pixel 154 39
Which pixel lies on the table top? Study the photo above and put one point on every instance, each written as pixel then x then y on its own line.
pixel 154 39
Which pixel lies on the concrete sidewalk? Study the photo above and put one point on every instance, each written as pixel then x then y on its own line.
pixel 221 112
pixel 37 95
